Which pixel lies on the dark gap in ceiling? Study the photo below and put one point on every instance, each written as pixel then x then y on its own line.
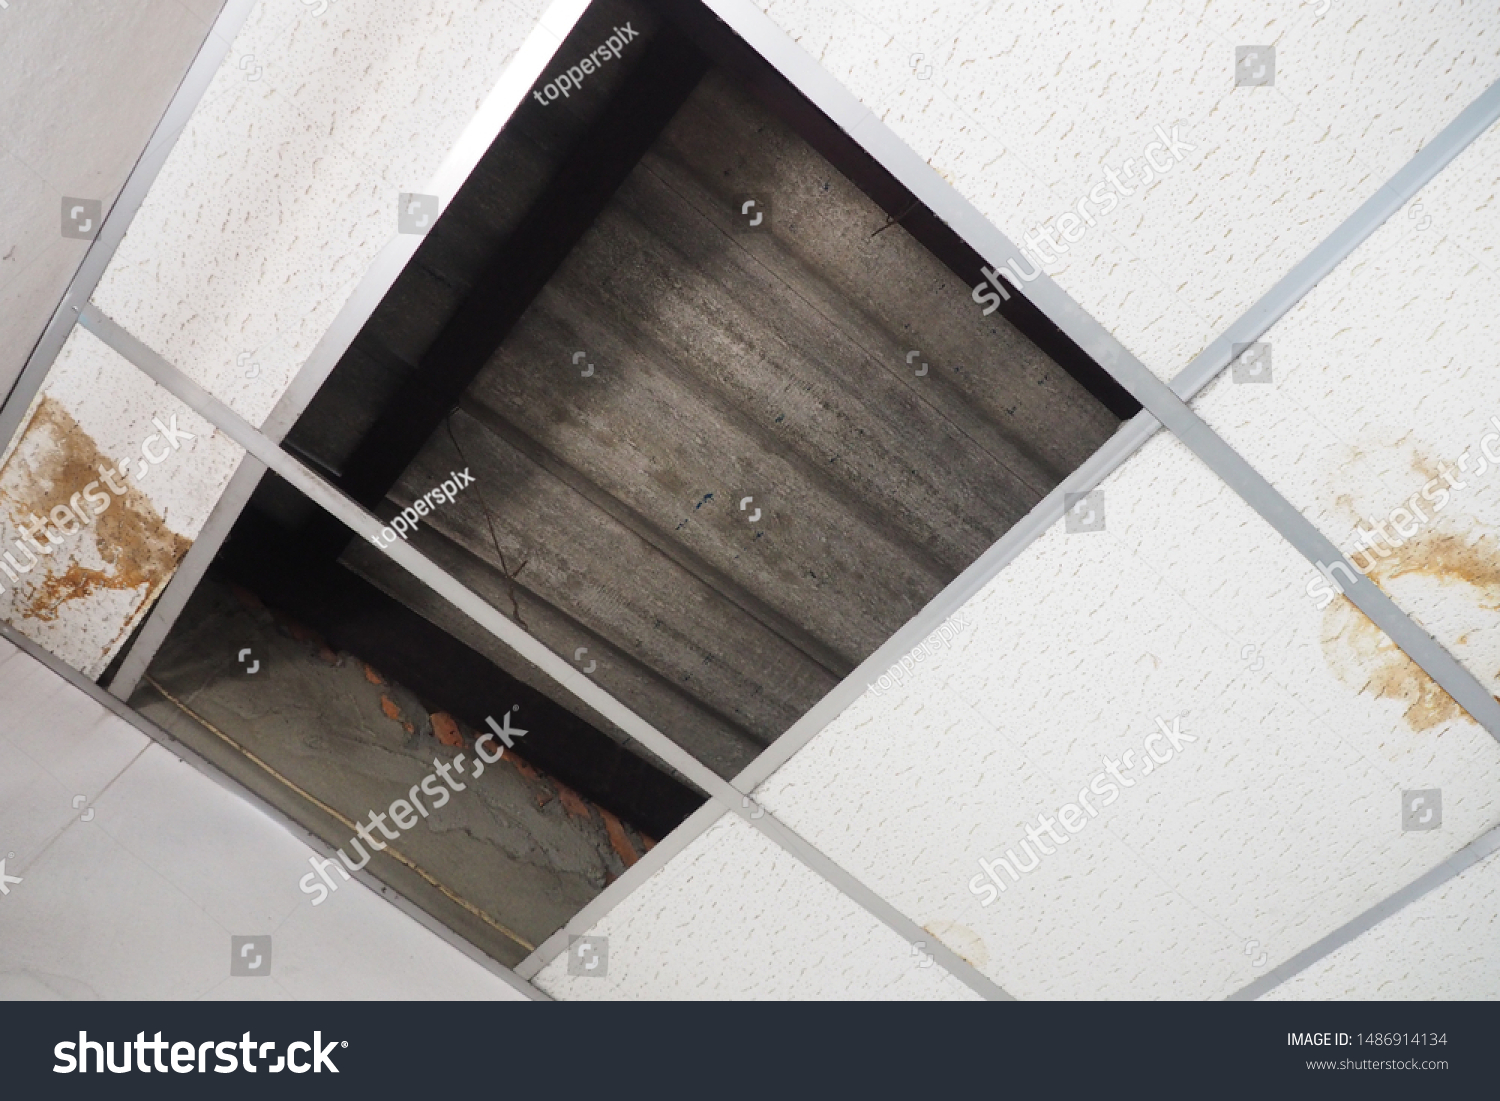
pixel 706 466
pixel 604 518
pixel 355 616
pixel 727 49
pixel 600 159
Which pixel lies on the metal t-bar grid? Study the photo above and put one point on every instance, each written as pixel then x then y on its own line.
pixel 347 512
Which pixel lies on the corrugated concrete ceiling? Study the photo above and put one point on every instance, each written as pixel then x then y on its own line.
pixel 786 369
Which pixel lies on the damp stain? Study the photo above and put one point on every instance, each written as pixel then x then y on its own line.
pixel 53 463
pixel 1363 656
pixel 962 941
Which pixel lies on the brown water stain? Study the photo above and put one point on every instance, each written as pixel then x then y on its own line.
pixel 1449 559
pixel 968 945
pixel 131 537
pixel 1363 655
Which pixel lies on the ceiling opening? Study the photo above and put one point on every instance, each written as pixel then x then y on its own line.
pixel 686 385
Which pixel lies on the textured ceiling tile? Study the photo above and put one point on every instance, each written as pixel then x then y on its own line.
pixel 285 183
pixel 734 916
pixel 396 100
pixel 86 593
pixel 1441 947
pixel 1280 821
pixel 257 229
pixel 1466 205
pixel 1098 268
pixel 1384 377
pixel 1388 76
pixel 1071 90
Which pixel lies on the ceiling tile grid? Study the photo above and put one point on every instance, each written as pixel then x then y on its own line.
pixel 285 184
pixel 1066 93
pixel 1441 947
pixel 1385 395
pixel 1185 621
pixel 1281 822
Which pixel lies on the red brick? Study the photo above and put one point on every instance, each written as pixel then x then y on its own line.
pixel 446 730
pixel 572 802
pixel 618 839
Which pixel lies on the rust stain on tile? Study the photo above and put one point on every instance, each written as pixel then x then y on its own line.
pixel 1448 558
pixel 1363 656
pixel 53 465
pixel 968 945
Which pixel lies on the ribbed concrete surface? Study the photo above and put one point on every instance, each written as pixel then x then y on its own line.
pixel 729 365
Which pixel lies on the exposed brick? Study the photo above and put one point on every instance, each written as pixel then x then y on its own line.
pixel 523 768
pixel 388 705
pixel 572 802
pixel 372 676
pixel 446 730
pixel 618 839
